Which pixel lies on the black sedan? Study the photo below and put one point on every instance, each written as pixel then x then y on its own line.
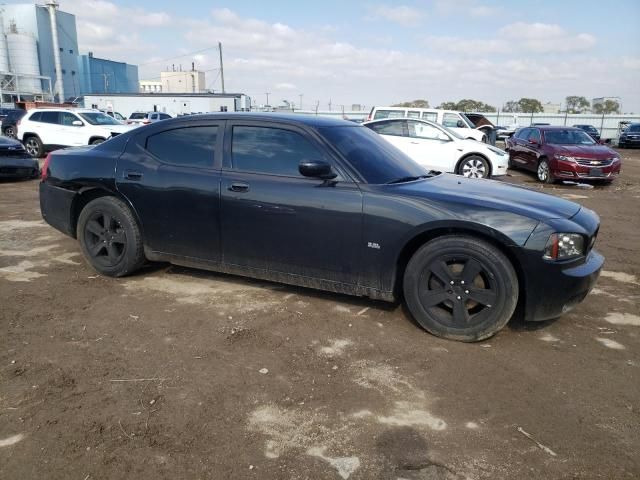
pixel 590 130
pixel 630 137
pixel 326 204
pixel 15 162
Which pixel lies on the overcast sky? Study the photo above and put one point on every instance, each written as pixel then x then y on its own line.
pixel 379 53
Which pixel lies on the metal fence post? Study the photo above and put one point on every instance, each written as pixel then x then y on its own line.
pixel 602 125
pixel 498 118
pixel 566 112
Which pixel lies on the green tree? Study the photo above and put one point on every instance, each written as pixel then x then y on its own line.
pixel 576 104
pixel 448 106
pixel 512 106
pixel 530 105
pixel 608 106
pixel 413 104
pixel 467 105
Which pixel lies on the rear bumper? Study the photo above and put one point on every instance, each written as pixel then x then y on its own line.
pixel 19 167
pixel 559 289
pixel 56 207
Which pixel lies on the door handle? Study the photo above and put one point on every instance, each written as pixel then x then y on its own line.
pixel 131 175
pixel 239 187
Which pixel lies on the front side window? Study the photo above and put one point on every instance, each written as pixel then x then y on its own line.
pixel 450 120
pixel 522 134
pixel 534 135
pixel 273 151
pixel 187 146
pixel 425 131
pixel 395 128
pixel 67 119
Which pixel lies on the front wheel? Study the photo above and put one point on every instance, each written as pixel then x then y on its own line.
pixel 545 175
pixel 474 166
pixel 97 141
pixel 10 132
pixel 460 288
pixel 110 237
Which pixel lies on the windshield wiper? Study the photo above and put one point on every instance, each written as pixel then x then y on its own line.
pixel 411 179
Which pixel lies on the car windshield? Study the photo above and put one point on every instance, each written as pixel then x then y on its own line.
pixel 99 118
pixel 470 124
pixel 137 116
pixel 374 158
pixel 567 137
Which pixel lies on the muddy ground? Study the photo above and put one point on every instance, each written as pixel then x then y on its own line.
pixel 177 373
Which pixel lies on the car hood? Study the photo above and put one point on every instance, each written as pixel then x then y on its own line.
pixel 8 143
pixel 584 151
pixel 489 194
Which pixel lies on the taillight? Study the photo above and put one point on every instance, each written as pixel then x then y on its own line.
pixel 45 167
pixel 146 122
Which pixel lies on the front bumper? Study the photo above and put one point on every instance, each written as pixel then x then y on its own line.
pixel 562 169
pixel 499 164
pixel 56 206
pixel 558 288
pixel 19 167
pixel 629 142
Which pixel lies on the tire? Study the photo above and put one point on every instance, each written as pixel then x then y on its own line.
pixel 10 132
pixel 543 172
pixel 474 166
pixel 110 237
pixel 97 141
pixel 33 146
pixel 510 163
pixel 436 288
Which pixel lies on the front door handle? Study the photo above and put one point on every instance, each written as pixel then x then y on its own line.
pixel 131 175
pixel 239 187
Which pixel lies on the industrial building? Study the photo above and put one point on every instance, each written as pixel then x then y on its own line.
pixel 192 81
pixel 98 75
pixel 174 104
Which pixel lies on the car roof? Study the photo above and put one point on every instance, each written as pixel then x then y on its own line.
pixel 309 120
pixel 553 127
pixel 401 119
pixel 66 109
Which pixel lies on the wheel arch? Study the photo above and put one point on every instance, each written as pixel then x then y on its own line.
pixel 472 154
pixel 93 138
pixel 88 194
pixel 489 235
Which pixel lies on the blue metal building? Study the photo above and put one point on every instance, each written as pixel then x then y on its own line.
pixel 98 76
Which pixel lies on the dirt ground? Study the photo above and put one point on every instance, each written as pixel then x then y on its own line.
pixel 182 374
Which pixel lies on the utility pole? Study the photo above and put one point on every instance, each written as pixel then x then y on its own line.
pixel 51 6
pixel 300 106
pixel 267 94
pixel 221 66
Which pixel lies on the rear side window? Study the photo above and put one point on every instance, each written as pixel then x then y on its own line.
pixel 137 116
pixel 395 128
pixel 413 114
pixel 36 117
pixel 388 114
pixel 422 130
pixel 188 146
pixel 431 116
pixel 164 116
pixel 272 151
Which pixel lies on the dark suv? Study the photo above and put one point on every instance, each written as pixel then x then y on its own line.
pixel 10 121
pixel 591 130
pixel 562 153
pixel 630 137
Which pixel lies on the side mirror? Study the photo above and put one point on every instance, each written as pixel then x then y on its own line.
pixel 460 124
pixel 316 169
pixel 77 123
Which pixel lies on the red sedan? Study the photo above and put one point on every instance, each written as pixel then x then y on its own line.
pixel 562 153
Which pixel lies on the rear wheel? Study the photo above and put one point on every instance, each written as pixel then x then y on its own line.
pixel 34 147
pixel 10 132
pixel 544 172
pixel 460 288
pixel 110 237
pixel 474 166
pixel 97 141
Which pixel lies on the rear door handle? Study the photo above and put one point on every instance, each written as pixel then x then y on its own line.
pixel 131 175
pixel 239 187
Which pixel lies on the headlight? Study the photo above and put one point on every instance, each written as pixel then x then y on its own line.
pixel 562 246
pixel 565 158
pixel 496 150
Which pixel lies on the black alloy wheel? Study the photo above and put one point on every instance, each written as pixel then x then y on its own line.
pixel 461 288
pixel 110 237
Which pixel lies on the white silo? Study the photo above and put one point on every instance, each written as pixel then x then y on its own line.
pixel 4 53
pixel 23 58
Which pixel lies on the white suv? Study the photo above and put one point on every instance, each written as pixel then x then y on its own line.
pixel 45 129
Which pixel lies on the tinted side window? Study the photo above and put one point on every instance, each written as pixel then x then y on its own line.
pixel 534 134
pixel 36 117
pixel 523 134
pixel 50 117
pixel 67 118
pixel 450 120
pixel 187 146
pixel 389 128
pixel 270 150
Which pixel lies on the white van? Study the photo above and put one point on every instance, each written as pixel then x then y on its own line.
pixel 456 121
